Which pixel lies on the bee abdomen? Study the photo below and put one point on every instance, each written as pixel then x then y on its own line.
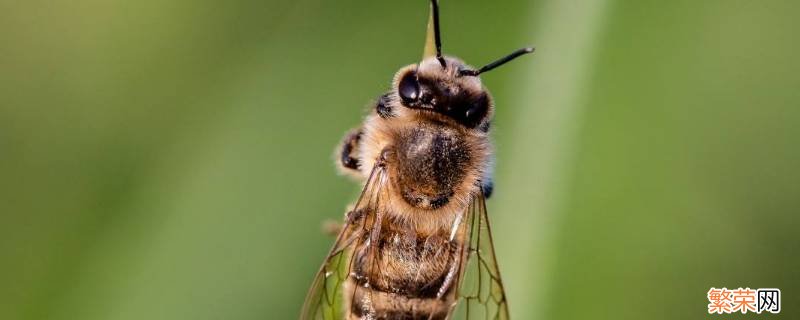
pixel 370 303
pixel 404 276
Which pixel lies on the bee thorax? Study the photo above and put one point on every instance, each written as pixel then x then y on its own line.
pixel 430 164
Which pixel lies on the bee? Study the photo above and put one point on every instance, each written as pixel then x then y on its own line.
pixel 417 243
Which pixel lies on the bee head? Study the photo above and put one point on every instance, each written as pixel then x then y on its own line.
pixel 445 85
pixel 430 88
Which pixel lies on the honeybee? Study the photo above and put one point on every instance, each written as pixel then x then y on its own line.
pixel 417 243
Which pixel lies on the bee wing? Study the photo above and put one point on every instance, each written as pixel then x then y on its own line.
pixel 480 291
pixel 324 298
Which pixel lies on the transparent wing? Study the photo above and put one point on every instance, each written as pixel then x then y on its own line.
pixel 324 298
pixel 480 291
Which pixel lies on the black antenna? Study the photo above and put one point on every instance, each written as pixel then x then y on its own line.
pixel 496 63
pixel 437 37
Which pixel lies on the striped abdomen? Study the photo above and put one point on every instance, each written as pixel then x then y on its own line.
pixel 401 276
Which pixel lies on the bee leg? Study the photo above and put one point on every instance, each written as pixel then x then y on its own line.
pixel 383 108
pixel 348 152
pixel 331 227
pixel 488 188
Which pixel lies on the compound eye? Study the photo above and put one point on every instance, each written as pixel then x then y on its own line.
pixel 475 111
pixel 409 88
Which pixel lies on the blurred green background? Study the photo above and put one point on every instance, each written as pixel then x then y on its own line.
pixel 172 159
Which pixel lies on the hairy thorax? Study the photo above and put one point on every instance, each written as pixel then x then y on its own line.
pixel 430 164
pixel 433 168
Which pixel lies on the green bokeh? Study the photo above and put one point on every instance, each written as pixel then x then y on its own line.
pixel 173 159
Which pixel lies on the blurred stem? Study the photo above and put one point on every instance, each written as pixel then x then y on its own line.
pixel 537 161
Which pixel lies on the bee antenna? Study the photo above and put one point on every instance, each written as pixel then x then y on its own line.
pixel 437 35
pixel 496 63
